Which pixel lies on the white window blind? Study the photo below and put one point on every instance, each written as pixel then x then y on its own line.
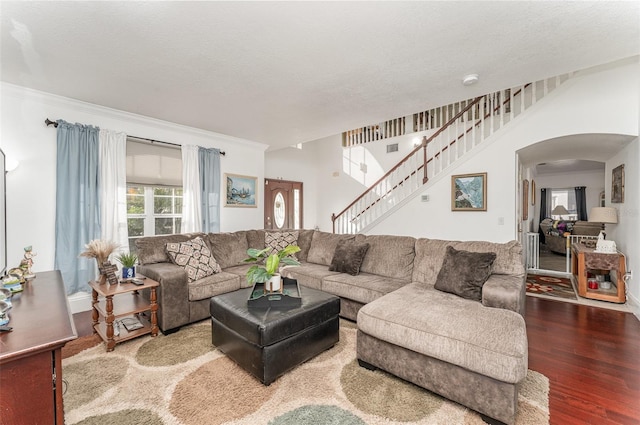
pixel 153 164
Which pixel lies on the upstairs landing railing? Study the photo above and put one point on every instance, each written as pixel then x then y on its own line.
pixel 476 120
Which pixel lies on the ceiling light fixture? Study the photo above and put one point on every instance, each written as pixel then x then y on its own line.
pixel 470 79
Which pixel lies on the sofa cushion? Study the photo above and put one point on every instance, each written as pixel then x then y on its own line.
pixel 152 249
pixel 463 273
pixel 389 256
pixel 255 239
pixel 210 286
pixel 309 274
pixel 489 341
pixel 348 257
pixel 230 249
pixel 323 245
pixel 430 254
pixel 278 241
pixel 195 257
pixel 363 288
pixel 304 242
pixel 586 228
pixel 242 272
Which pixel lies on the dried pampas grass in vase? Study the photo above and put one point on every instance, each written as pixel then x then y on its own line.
pixel 100 250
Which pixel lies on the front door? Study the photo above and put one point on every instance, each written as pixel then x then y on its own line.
pixel 283 204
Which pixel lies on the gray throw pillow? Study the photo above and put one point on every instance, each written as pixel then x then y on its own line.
pixel 348 257
pixel 463 272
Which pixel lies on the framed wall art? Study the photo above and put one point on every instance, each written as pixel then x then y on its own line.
pixel 617 185
pixel 525 199
pixel 469 192
pixel 241 191
pixel 533 192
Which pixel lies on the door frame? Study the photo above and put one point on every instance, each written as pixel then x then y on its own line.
pixel 267 203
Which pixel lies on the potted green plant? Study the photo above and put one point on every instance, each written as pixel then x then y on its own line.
pixel 268 273
pixel 128 262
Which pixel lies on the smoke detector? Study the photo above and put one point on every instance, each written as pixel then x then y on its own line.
pixel 470 79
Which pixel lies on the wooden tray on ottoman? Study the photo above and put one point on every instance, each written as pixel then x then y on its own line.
pixel 289 297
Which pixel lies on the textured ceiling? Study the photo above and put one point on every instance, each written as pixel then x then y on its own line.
pixel 282 73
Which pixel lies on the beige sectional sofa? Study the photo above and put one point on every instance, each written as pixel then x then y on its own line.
pixel 473 352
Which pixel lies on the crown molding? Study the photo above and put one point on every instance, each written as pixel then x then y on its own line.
pixel 21 92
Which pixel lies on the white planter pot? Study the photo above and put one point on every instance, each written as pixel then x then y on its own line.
pixel 274 284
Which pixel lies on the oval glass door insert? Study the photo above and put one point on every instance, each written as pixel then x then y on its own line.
pixel 279 210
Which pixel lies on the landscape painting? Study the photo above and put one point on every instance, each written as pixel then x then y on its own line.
pixel 469 192
pixel 241 191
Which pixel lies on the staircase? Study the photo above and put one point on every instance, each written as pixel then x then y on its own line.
pixel 460 128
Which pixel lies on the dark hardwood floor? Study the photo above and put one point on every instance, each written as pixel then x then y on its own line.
pixel 590 355
pixel 592 359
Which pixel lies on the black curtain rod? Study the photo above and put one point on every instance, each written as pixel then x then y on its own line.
pixel 48 122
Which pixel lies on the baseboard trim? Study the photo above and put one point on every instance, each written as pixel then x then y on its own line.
pixel 79 302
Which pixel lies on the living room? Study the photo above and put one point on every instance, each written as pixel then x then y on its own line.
pixel 601 98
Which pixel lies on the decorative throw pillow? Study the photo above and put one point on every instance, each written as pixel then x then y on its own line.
pixel 195 257
pixel 348 257
pixel 278 241
pixel 463 272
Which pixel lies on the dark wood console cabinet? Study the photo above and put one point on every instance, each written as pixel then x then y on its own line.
pixel 30 355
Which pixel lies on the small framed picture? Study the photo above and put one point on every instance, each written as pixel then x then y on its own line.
pixel 617 185
pixel 241 191
pixel 533 192
pixel 469 192
pixel 525 199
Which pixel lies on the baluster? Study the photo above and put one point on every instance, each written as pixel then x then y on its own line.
pixel 483 105
pixel 545 87
pixel 501 98
pixel 492 112
pixel 511 104
pixel 534 94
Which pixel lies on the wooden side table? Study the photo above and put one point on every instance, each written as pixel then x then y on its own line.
pixel 112 303
pixel 585 259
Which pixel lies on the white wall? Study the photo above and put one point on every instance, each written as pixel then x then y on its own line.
pixel 602 100
pixel 31 187
pixel 292 164
pixel 626 233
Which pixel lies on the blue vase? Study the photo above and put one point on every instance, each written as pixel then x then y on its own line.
pixel 128 272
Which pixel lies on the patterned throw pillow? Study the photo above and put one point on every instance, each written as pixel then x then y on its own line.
pixel 195 257
pixel 278 241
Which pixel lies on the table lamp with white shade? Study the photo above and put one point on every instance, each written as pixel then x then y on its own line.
pixel 603 215
pixel 560 210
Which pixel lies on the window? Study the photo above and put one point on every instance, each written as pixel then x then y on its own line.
pixel 153 210
pixel 566 198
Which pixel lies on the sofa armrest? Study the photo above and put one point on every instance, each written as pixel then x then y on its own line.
pixel 505 291
pixel 173 293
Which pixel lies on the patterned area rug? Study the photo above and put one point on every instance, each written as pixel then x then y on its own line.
pixel 182 379
pixel 550 286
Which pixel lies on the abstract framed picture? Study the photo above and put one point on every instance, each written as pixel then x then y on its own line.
pixel 617 185
pixel 241 191
pixel 469 192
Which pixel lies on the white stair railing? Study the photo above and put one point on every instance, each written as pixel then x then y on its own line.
pixel 470 123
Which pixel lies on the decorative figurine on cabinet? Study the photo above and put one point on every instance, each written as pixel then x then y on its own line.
pixel 27 263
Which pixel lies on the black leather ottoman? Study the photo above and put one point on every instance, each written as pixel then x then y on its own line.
pixel 269 342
